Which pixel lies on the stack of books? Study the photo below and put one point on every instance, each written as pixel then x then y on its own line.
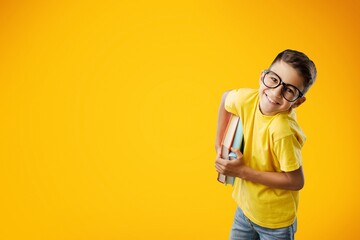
pixel 233 138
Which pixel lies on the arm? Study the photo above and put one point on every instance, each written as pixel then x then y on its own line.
pixel 284 180
pixel 223 118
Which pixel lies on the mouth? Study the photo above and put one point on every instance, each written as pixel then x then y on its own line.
pixel 270 100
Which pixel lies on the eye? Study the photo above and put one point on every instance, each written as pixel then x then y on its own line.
pixel 274 80
pixel 290 91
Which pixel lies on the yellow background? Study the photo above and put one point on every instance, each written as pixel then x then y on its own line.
pixel 108 114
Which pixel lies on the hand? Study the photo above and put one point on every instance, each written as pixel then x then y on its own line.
pixel 232 167
pixel 293 180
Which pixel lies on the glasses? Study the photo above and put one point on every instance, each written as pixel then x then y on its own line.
pixel 288 91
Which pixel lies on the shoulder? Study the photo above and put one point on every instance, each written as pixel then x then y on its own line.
pixel 241 95
pixel 237 98
pixel 243 92
pixel 285 125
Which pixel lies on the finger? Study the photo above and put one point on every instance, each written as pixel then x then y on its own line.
pixel 221 161
pixel 237 152
pixel 219 168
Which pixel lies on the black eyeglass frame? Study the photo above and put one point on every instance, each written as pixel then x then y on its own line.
pixel 285 85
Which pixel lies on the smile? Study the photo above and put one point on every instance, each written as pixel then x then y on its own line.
pixel 270 100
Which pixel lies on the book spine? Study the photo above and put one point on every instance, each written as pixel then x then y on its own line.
pixel 225 155
pixel 227 142
pixel 237 143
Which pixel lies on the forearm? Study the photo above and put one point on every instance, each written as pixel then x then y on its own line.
pixel 223 118
pixel 284 180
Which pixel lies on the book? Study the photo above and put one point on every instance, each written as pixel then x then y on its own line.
pixel 227 140
pixel 238 144
pixel 233 137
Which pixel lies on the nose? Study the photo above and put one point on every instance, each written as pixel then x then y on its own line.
pixel 277 92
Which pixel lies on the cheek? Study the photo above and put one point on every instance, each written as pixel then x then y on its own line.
pixel 260 82
pixel 287 105
pixel 261 88
pixel 261 92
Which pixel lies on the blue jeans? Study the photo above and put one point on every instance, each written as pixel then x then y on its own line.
pixel 244 229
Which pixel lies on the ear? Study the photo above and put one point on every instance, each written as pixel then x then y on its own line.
pixel 299 102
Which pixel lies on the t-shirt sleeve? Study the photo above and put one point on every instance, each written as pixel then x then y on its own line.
pixel 232 101
pixel 288 152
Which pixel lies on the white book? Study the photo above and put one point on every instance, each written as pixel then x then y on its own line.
pixel 227 142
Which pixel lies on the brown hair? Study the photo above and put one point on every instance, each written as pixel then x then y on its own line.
pixel 301 63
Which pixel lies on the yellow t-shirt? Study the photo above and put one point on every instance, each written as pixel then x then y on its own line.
pixel 272 143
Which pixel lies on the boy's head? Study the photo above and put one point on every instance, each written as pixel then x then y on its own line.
pixel 301 63
pixel 284 85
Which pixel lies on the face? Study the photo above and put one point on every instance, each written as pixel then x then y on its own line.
pixel 271 99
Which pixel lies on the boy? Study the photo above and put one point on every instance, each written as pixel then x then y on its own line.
pixel 269 171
